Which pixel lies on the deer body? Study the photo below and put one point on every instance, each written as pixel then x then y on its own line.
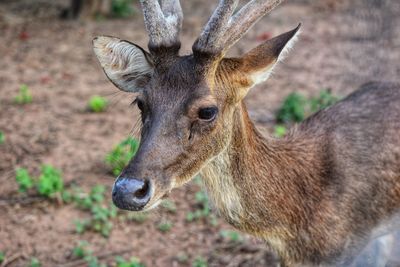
pixel 317 193
pixel 314 196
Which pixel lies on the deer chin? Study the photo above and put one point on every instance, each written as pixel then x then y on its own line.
pixel 152 205
pixel 155 201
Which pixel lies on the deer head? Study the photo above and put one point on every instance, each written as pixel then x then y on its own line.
pixel 187 103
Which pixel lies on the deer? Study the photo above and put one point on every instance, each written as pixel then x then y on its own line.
pixel 315 196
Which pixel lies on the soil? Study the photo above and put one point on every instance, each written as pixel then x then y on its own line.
pixel 342 46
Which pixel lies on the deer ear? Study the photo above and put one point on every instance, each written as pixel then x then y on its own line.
pixel 259 62
pixel 256 65
pixel 127 65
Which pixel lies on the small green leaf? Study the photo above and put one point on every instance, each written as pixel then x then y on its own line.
pixel 2 256
pixel 133 262
pixel 34 263
pixel 232 236
pixel 199 262
pixel 324 100
pixel 120 156
pixel 2 138
pixel 164 226
pixel 97 103
pixel 23 179
pixel 122 8
pixel 138 217
pixel 81 250
pixel 292 109
pixel 80 226
pixel 50 181
pixel 182 257
pixel 280 131
pixel 24 96
pixel 169 205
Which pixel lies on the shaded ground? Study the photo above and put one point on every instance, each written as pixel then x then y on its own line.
pixel 341 47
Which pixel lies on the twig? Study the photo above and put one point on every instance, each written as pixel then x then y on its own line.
pixel 9 260
pixel 21 200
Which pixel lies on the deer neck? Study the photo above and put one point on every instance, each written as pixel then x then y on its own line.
pixel 257 183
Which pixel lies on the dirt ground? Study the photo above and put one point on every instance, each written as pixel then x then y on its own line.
pixel 342 46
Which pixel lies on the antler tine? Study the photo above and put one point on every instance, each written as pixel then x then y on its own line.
pixel 173 8
pixel 248 15
pixel 163 23
pixel 212 38
pixel 223 30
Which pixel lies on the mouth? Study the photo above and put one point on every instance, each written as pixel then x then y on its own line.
pixel 152 206
pixel 149 206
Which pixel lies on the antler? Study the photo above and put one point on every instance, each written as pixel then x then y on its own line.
pixel 163 23
pixel 223 30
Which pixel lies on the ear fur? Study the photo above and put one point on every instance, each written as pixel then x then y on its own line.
pixel 256 65
pixel 127 65
pixel 261 60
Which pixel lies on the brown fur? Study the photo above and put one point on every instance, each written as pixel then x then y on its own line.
pixel 317 193
pixel 314 196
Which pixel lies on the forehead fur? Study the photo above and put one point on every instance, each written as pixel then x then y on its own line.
pixel 179 76
pixel 187 76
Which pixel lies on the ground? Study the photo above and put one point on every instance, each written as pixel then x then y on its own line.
pixel 341 47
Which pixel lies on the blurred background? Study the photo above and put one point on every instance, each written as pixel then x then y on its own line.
pixel 66 131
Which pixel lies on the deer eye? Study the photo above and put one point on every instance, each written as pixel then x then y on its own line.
pixel 140 104
pixel 208 114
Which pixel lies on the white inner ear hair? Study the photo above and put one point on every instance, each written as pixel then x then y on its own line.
pixel 264 74
pixel 123 62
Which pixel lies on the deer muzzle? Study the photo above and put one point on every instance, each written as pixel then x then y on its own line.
pixel 132 193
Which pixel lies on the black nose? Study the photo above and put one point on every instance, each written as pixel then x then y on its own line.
pixel 131 193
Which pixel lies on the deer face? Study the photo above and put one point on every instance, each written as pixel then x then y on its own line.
pixel 187 107
pixel 185 121
pixel 187 103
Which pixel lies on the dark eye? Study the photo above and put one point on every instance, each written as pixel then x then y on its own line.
pixel 208 114
pixel 140 104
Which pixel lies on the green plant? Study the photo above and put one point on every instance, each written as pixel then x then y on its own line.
pixel 323 100
pixel 100 214
pixel 122 8
pixel 93 261
pixel 164 226
pixel 2 138
pixel 120 156
pixel 88 200
pixel 203 210
pixel 97 103
pixel 292 109
pixel 279 131
pixel 231 236
pixel 133 262
pixel 296 107
pixel 81 226
pixel 182 257
pixel 23 179
pixel 81 250
pixel 138 217
pixel 67 196
pixel 49 181
pixel 199 262
pixel 24 96
pixel 99 221
pixel 34 263
pixel 169 205
pixel 2 256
